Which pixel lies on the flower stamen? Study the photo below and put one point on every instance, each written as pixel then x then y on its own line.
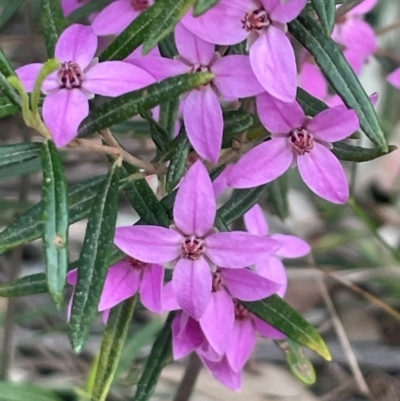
pixel 302 141
pixel 192 248
pixel 136 264
pixel 70 75
pixel 241 313
pixel 256 20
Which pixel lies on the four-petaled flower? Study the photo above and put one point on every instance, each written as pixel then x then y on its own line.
pixel 193 245
pixel 298 140
pixel 79 78
pixel 263 22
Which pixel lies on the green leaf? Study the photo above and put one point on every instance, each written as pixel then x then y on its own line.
pixel 28 285
pixel 134 35
pixel 6 70
pixel 29 226
pixel 143 200
pixel 177 166
pixel 94 258
pixel 9 8
pixel 159 356
pixel 202 6
pixel 277 195
pixel 240 202
pixel 326 11
pixel 87 9
pixel 55 219
pixel 159 135
pixel 23 168
pixel 7 108
pixel 167 46
pixel 278 313
pixel 25 391
pixel 126 106
pixel 168 115
pixel 112 346
pixel 299 364
pixel 53 23
pixel 18 153
pixel 164 23
pixel 344 151
pixel 339 74
pixel 310 104
pixel 235 122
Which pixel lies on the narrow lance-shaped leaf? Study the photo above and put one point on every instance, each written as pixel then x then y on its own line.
pixel 159 135
pixel 326 11
pixel 202 6
pixel 55 218
pixel 278 313
pixel 126 106
pixel 9 8
pixel 277 194
pixel 29 226
pixel 53 23
pixel 7 108
pixel 112 346
pixel 297 360
pixel 164 23
pixel 19 152
pixel 235 122
pixel 344 151
pixel 94 258
pixel 169 114
pixel 339 74
pixel 159 356
pixel 177 166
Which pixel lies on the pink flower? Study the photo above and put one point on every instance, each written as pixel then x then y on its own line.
pixel 394 78
pixel 202 112
pixel 263 23
pixel 118 15
pixel 298 140
pixel 68 6
pixel 357 36
pixel 79 78
pixel 124 280
pixel 292 247
pixel 193 245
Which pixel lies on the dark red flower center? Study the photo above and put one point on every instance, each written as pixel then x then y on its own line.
pixel 256 20
pixel 70 75
pixel 136 264
pixel 241 313
pixel 140 5
pixel 302 141
pixel 192 248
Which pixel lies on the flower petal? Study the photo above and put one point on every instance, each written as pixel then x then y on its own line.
pixel 238 249
pixel 313 81
pixel 191 284
pixel 267 330
pixel 77 43
pixel 168 300
pixel 186 335
pixel 221 24
pixel 324 174
pixel 291 246
pixel 192 48
pixel 122 282
pixel 195 205
pixel 63 111
pixel 223 372
pixel 221 182
pixel 114 18
pixel 149 244
pixel 28 74
pixel 359 36
pixel 273 269
pixel 204 123
pixel 234 77
pixel 334 124
pixel 151 287
pixel 363 8
pixel 217 320
pixel 279 117
pixel 72 277
pixel 255 221
pixel 68 6
pixel 114 78
pixel 273 62
pixel 284 12
pixel 246 285
pixel 394 78
pixel 241 344
pixel 262 164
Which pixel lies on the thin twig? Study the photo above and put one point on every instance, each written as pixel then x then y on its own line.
pixel 385 29
pixel 385 53
pixel 341 333
pixel 189 379
pixel 346 7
